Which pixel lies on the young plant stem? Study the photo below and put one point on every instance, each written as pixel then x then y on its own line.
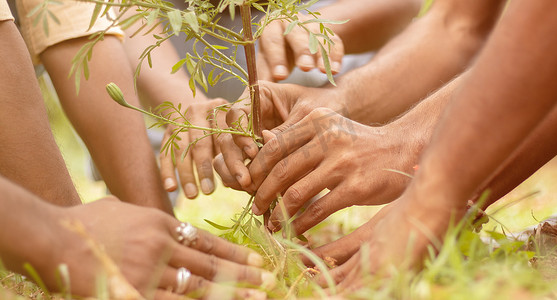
pixel 249 48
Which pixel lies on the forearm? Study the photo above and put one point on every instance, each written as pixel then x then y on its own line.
pixel 156 84
pixel 421 59
pixel 27 223
pixel 371 23
pixel 29 155
pixel 115 136
pixel 494 111
pixel 535 151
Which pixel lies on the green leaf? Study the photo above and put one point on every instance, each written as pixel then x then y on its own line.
pixel 152 16
pixel 258 7
pixel 191 19
pixel 217 226
pixel 192 86
pixel 327 64
pixel 85 69
pixel 34 10
pixel 302 238
pixel 325 21
pixel 95 15
pixel 35 276
pixel 231 10
pixel 178 65
pixel 313 43
pixel 45 26
pixel 175 19
pixel 290 27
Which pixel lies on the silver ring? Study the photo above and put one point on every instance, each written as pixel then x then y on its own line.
pixel 187 234
pixel 182 278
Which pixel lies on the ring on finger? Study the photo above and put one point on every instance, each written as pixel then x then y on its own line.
pixel 182 278
pixel 187 234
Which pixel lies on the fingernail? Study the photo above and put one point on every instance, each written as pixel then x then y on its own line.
pixel 239 179
pixel 255 260
pixel 207 186
pixel 190 190
pixel 273 226
pixel 169 184
pixel 256 210
pixel 250 151
pixel 268 280
pixel 280 71
pixel 306 61
pixel 255 295
pixel 335 67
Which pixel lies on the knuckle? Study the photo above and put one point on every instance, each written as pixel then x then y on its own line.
pixel 281 170
pixel 213 266
pixel 273 147
pixel 320 112
pixel 205 168
pixel 196 284
pixel 316 209
pixel 223 139
pixel 292 195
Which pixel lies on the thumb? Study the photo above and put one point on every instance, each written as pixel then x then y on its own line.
pixel 267 136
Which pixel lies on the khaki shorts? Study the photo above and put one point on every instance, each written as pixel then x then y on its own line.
pixel 74 20
pixel 5 13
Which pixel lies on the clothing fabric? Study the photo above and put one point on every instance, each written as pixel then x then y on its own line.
pixel 74 18
pixel 5 13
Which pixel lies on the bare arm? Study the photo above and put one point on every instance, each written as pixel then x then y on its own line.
pixel 115 136
pixel 29 155
pixel 371 23
pixel 422 58
pixel 509 92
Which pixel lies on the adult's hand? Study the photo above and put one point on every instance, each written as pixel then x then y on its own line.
pixel 279 53
pixel 282 105
pixel 399 238
pixel 325 150
pixel 144 245
pixel 199 113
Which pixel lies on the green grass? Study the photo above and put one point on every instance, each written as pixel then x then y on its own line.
pixel 465 269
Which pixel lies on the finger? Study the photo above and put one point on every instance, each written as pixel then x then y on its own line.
pixel 303 191
pixel 238 118
pixel 285 165
pixel 200 288
pixel 184 165
pixel 164 294
pixel 284 174
pixel 213 268
pixel 320 209
pixel 202 151
pixel 210 244
pixel 278 148
pixel 298 41
pixel 168 173
pixel 336 53
pixel 272 46
pixel 234 160
pixel 226 177
pixel 218 121
pixel 340 273
pixel 342 249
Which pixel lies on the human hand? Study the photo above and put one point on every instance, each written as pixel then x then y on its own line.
pixel 279 53
pixel 143 243
pixel 399 238
pixel 282 105
pixel 328 151
pixel 199 113
pixel 341 250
